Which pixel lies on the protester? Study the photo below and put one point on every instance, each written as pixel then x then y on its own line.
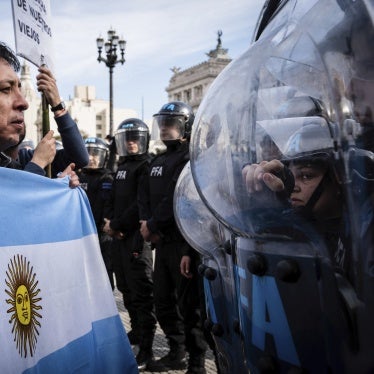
pixel 132 255
pixel 12 102
pixel 12 126
pixel 97 181
pixel 177 316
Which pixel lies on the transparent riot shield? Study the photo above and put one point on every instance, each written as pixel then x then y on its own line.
pixel 302 269
pixel 205 234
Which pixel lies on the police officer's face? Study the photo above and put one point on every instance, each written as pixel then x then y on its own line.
pixel 307 178
pixel 94 161
pixel 170 132
pixel 12 106
pixel 132 147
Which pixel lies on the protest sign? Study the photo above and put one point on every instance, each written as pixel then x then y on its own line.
pixel 33 31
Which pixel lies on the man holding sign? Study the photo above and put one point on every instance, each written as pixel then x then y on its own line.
pixel 33 35
pixel 12 133
pixel 12 125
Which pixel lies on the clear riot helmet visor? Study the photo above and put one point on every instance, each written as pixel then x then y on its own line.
pixel 171 127
pixel 97 157
pixel 131 142
pixel 289 138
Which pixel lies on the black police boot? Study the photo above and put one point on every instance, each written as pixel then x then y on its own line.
pixel 134 338
pixel 174 360
pixel 196 365
pixel 145 354
pixel 143 358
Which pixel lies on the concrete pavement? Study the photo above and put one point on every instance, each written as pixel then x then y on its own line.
pixel 160 347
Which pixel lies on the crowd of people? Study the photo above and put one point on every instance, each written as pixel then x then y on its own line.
pixel 131 196
pixel 308 182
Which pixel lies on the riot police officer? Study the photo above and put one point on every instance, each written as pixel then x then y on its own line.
pixel 306 178
pixel 304 303
pixel 178 318
pixel 96 180
pixel 132 256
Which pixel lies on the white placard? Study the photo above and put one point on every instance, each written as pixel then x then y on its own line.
pixel 33 31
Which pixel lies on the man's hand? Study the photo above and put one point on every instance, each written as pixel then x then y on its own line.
pixel 46 83
pixel 45 151
pixel 107 229
pixel 185 266
pixel 257 176
pixel 74 180
pixel 147 235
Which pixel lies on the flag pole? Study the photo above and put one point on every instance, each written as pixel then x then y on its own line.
pixel 45 127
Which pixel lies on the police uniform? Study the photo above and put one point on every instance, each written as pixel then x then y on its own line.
pixel 176 297
pixel 133 263
pixel 98 183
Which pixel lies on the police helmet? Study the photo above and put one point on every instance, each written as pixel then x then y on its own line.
pixel 313 140
pixel 98 152
pixel 175 113
pixel 297 106
pixel 132 137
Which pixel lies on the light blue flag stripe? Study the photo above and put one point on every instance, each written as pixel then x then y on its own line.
pixel 20 205
pixel 100 351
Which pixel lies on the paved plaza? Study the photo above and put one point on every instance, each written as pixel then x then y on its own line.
pixel 160 347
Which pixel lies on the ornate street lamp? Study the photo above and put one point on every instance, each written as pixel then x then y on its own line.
pixel 110 61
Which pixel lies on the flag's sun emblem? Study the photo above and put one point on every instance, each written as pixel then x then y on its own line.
pixel 22 290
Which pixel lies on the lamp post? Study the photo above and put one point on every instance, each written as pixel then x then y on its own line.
pixel 110 61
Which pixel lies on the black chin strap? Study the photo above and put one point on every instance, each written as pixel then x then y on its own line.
pixel 316 194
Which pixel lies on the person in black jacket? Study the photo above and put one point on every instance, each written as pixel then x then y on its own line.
pixel 132 256
pixel 176 296
pixel 97 181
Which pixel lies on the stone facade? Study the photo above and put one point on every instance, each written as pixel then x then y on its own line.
pixel 190 85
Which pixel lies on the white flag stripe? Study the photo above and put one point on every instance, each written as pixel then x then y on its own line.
pixel 62 298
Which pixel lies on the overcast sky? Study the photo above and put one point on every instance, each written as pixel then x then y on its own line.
pixel 160 34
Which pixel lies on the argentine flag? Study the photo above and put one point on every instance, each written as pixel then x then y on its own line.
pixel 57 311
